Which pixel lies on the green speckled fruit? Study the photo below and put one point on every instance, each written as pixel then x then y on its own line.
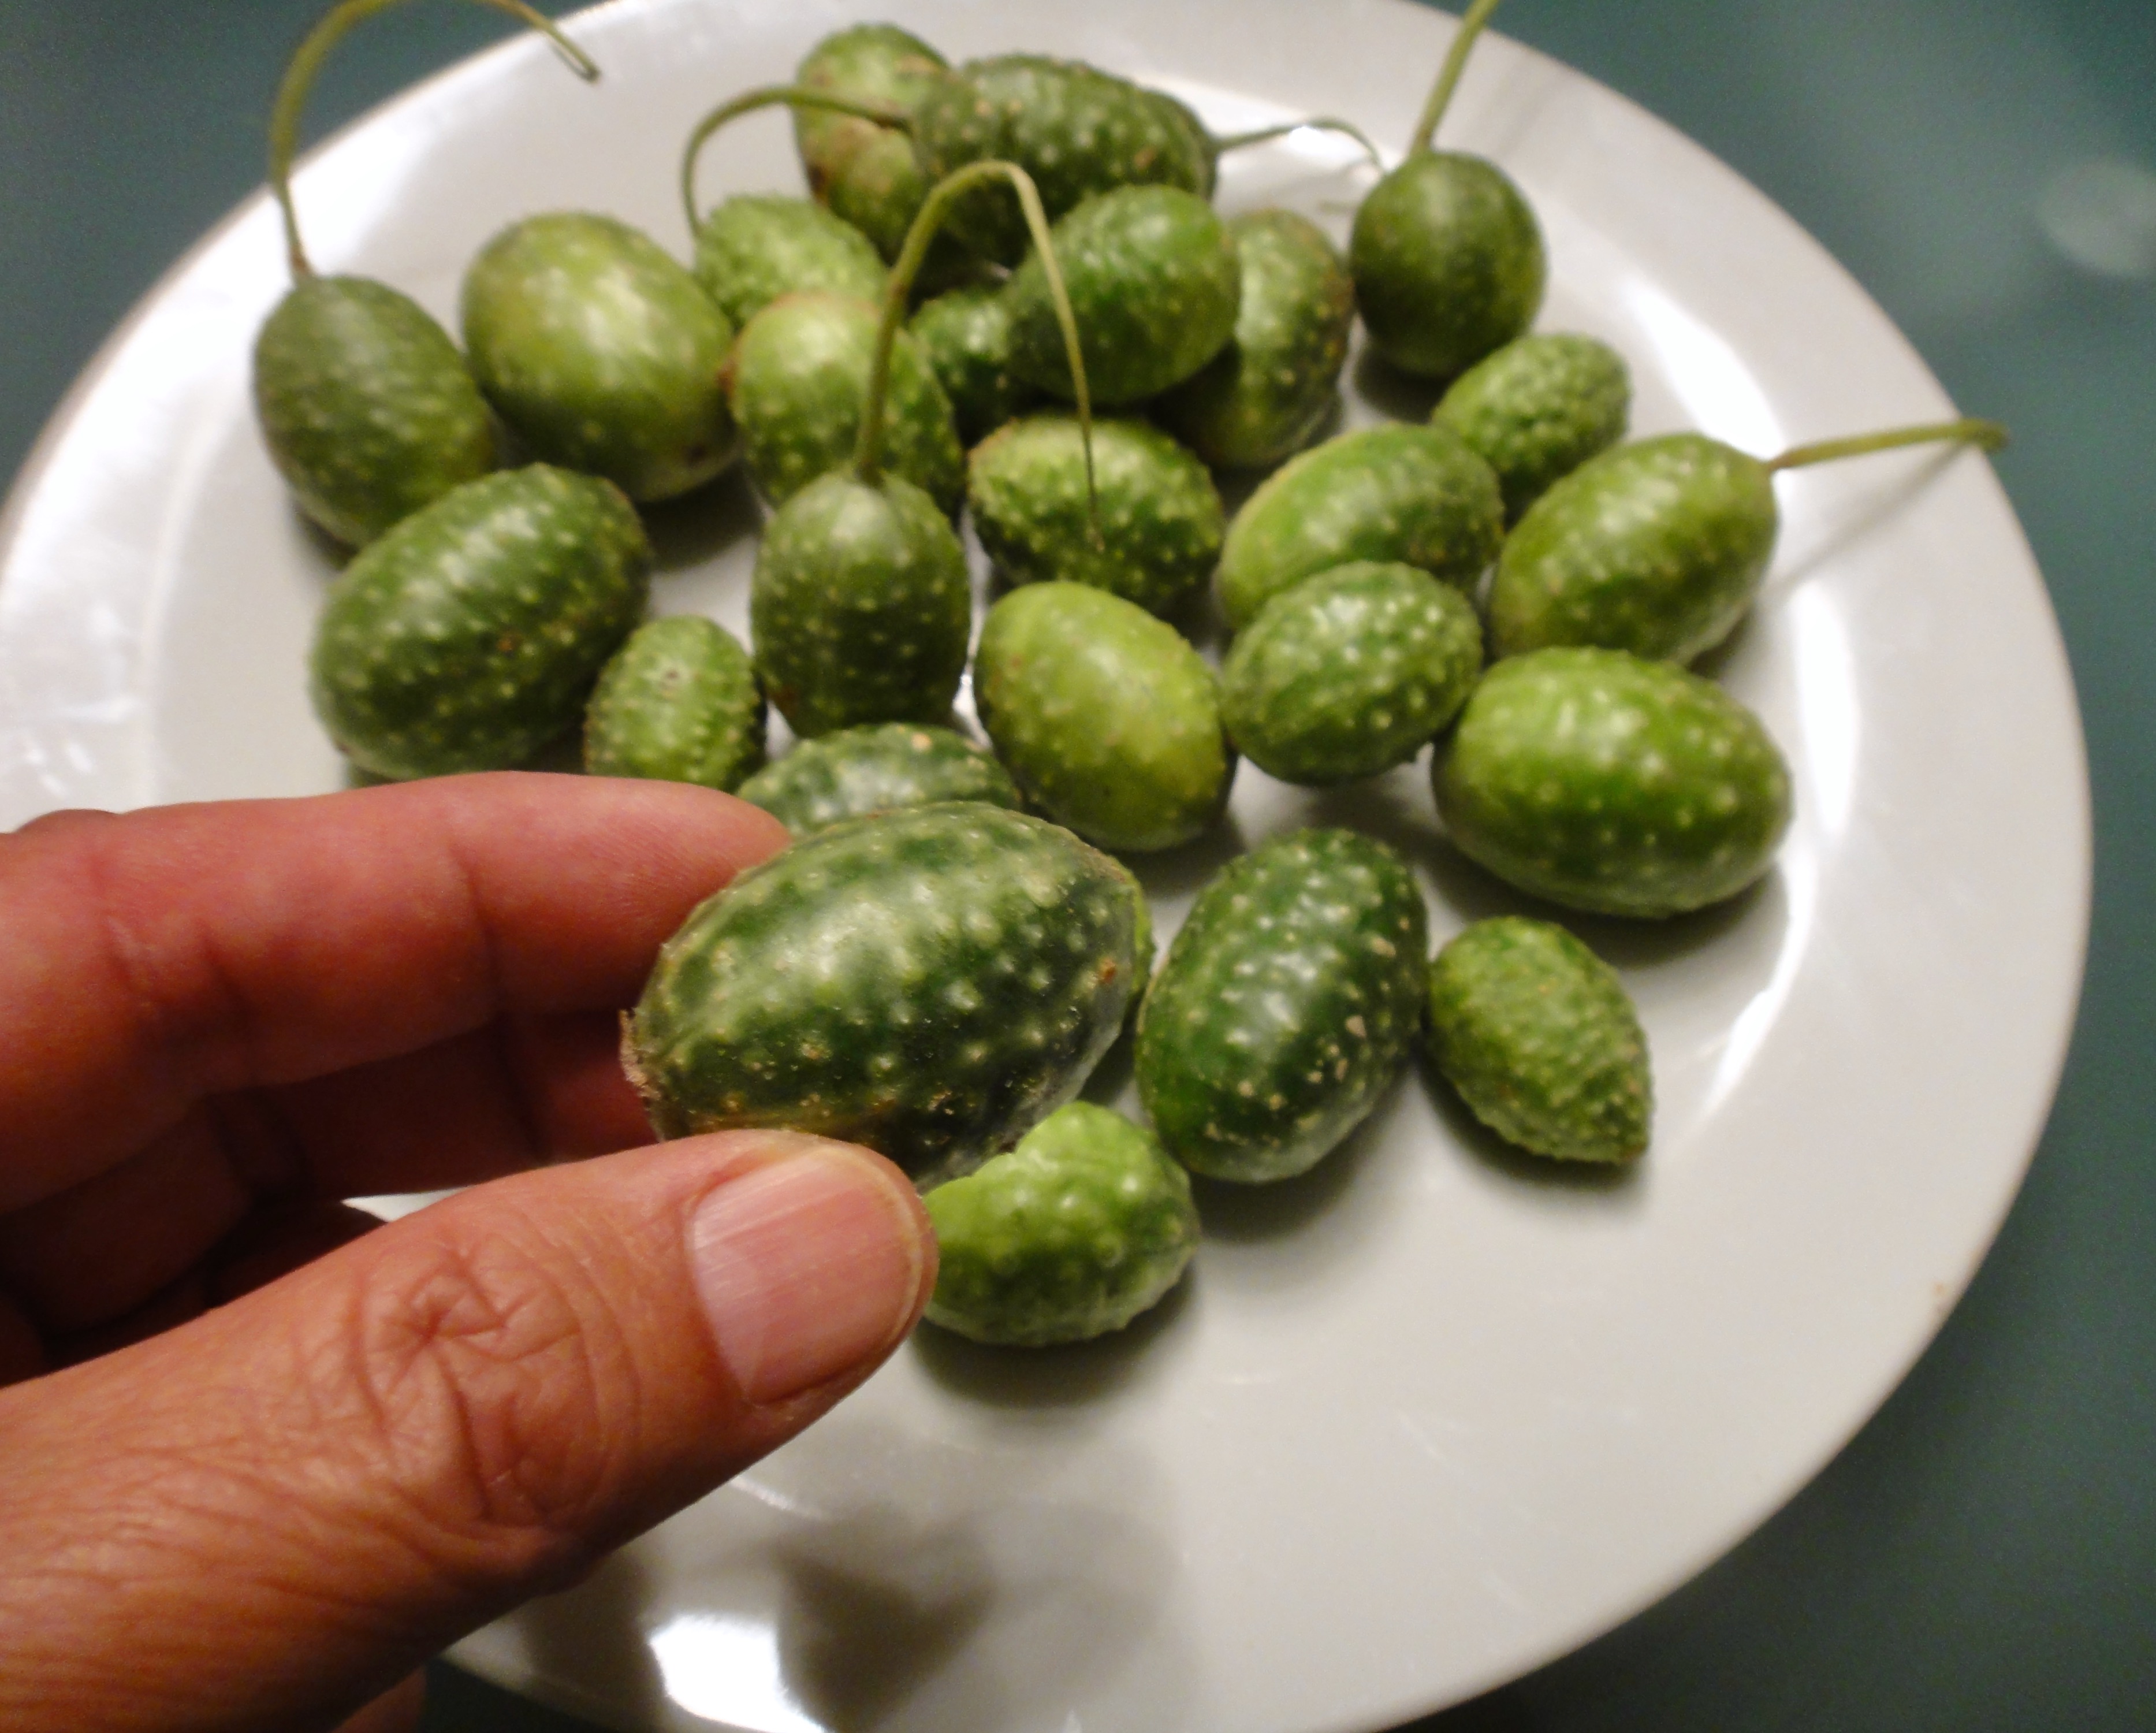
pixel 1538 408
pixel 679 701
pixel 965 334
pixel 602 352
pixel 797 378
pixel 930 983
pixel 1540 1038
pixel 468 637
pixel 753 248
pixel 860 606
pixel 878 767
pixel 1072 1234
pixel 1656 548
pixel 1161 519
pixel 1262 397
pixel 1608 782
pixel 1154 282
pixel 866 174
pixel 1107 718
pixel 365 405
pixel 1414 495
pixel 1287 1003
pixel 1349 673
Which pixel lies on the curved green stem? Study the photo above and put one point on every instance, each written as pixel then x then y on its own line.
pixel 1448 76
pixel 1989 435
pixel 1322 123
pixel 884 114
pixel 307 61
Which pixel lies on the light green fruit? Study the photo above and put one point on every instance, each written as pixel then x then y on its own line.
pixel 678 702
pixel 753 248
pixel 866 173
pixel 965 335
pixel 1541 1040
pixel 1072 1234
pixel 877 768
pixel 1538 408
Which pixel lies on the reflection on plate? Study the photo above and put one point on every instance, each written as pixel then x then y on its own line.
pixel 1431 1415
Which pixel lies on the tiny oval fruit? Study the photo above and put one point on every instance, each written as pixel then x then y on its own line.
pixel 678 702
pixel 965 335
pixel 753 248
pixel 877 768
pixel 1539 408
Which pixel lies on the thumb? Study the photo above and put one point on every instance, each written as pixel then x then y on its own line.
pixel 264 1518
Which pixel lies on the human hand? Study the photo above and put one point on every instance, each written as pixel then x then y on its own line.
pixel 263 1457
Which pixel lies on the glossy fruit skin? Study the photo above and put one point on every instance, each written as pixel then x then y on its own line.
pixel 1414 495
pixel 965 335
pixel 1154 283
pixel 860 606
pixel 1161 519
pixel 867 174
pixel 601 352
pixel 1069 1235
pixel 1538 408
pixel 1541 1041
pixel 1349 673
pixel 1079 132
pixel 878 767
pixel 1448 263
pixel 931 983
pixel 797 378
pixel 1264 397
pixel 1107 719
pixel 1657 546
pixel 754 247
pixel 1611 783
pixel 1286 1005
pixel 468 636
pixel 366 407
pixel 678 702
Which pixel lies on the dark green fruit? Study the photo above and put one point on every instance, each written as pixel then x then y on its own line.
pixel 1350 672
pixel 753 248
pixel 365 405
pixel 930 983
pixel 1107 718
pixel 679 701
pixel 877 768
pixel 1541 1040
pixel 468 637
pixel 1161 519
pixel 798 379
pixel 966 336
pixel 1416 495
pixel 1538 408
pixel 1154 281
pixel 1072 1234
pixel 602 352
pixel 1286 1005
pixel 1608 782
pixel 866 174
pixel 1262 397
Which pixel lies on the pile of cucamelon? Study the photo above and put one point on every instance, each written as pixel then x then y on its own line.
pixel 991 251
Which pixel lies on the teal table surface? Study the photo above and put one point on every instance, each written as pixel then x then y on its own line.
pixel 1984 1554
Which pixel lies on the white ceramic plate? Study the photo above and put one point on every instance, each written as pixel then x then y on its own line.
pixel 1430 1416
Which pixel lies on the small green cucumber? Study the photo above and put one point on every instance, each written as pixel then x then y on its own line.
pixel 678 702
pixel 880 767
pixel 965 335
pixel 866 174
pixel 755 247
pixel 1538 408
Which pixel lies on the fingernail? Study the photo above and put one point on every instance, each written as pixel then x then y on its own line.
pixel 807 1265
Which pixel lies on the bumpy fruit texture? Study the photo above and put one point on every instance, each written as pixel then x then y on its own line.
pixel 366 406
pixel 1541 1040
pixel 1657 548
pixel 468 637
pixel 1154 284
pixel 755 247
pixel 1448 263
pixel 797 378
pixel 1265 395
pixel 1072 1234
pixel 1161 519
pixel 1350 672
pixel 880 767
pixel 1610 783
pixel 1414 495
pixel 602 352
pixel 866 174
pixel 1286 1006
pixel 1538 408
pixel 1107 718
pixel 965 335
pixel 860 606
pixel 930 983
pixel 679 701
pixel 1077 131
